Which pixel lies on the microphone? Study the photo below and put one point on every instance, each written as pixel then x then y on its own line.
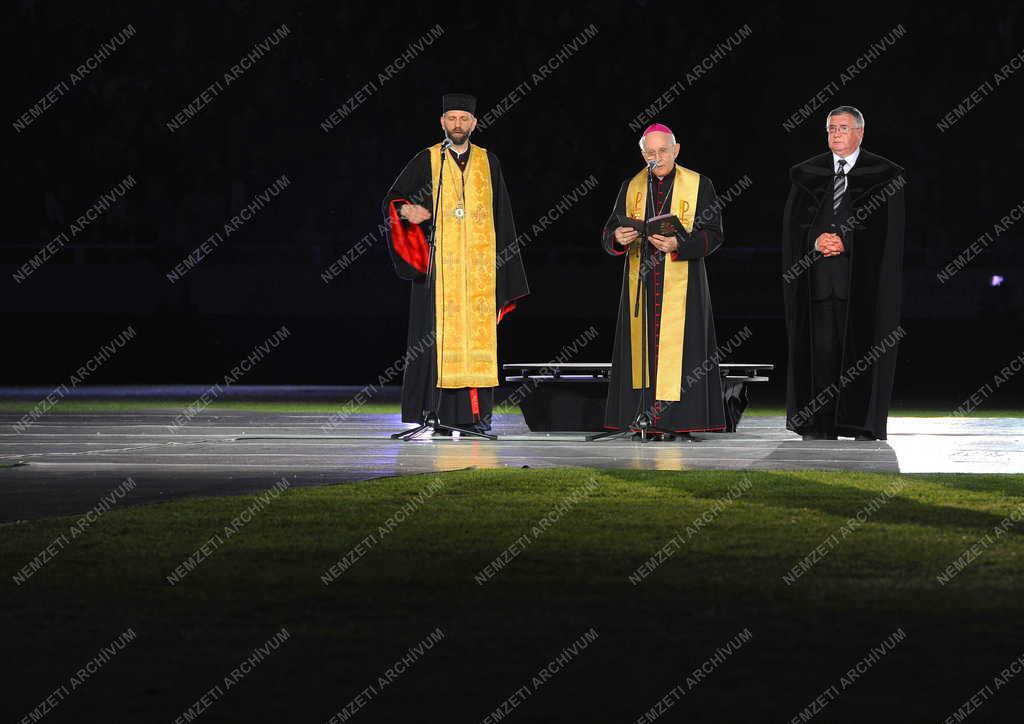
pixel 446 143
pixel 651 164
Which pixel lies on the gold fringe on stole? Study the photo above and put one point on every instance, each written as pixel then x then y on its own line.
pixel 677 274
pixel 464 288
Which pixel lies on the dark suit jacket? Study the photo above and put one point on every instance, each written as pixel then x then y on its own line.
pixel 830 276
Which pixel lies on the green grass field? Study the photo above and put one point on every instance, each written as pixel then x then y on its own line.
pixel 728 540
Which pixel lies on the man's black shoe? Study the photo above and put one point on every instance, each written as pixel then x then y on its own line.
pixel 865 437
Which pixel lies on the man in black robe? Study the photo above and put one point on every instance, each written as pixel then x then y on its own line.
pixel 842 258
pixel 476 252
pixel 683 384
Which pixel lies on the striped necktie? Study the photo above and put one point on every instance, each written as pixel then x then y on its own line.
pixel 840 185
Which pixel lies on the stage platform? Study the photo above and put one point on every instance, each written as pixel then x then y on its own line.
pixel 64 463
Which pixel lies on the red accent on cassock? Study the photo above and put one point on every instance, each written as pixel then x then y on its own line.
pixel 408 240
pixel 504 311
pixel 474 402
pixel 652 379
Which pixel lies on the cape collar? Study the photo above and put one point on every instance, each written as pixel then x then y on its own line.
pixel 871 170
pixel 867 164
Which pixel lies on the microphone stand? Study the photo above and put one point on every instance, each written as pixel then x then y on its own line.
pixel 643 422
pixel 430 418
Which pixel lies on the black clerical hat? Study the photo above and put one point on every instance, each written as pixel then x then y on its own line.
pixel 458 102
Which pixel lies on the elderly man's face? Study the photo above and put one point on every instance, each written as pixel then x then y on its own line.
pixel 458 125
pixel 843 138
pixel 658 147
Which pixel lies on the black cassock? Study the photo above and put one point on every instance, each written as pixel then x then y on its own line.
pixel 700 405
pixel 872 233
pixel 419 384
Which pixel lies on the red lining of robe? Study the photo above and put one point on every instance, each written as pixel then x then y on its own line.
pixel 409 242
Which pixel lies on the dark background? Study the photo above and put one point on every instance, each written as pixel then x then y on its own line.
pixel 573 124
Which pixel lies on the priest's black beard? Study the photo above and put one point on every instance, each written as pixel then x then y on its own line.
pixel 458 138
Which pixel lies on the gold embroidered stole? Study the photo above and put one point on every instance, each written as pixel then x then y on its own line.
pixel 465 319
pixel 673 303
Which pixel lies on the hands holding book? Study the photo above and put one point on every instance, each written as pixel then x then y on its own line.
pixel 665 244
pixel 668 228
pixel 624 236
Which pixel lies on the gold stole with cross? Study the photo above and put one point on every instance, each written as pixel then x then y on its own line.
pixel 464 304
pixel 677 275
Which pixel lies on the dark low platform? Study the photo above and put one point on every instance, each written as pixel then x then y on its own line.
pixel 570 396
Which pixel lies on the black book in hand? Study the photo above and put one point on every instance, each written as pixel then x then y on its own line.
pixel 664 225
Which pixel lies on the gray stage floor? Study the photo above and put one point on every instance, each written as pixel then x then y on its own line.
pixel 66 462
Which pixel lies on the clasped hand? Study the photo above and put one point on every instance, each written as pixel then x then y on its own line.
pixel 624 236
pixel 414 213
pixel 829 244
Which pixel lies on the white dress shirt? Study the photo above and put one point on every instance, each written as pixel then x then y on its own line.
pixel 850 160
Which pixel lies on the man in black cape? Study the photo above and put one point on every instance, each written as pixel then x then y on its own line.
pixel 842 258
pixel 684 387
pixel 451 358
